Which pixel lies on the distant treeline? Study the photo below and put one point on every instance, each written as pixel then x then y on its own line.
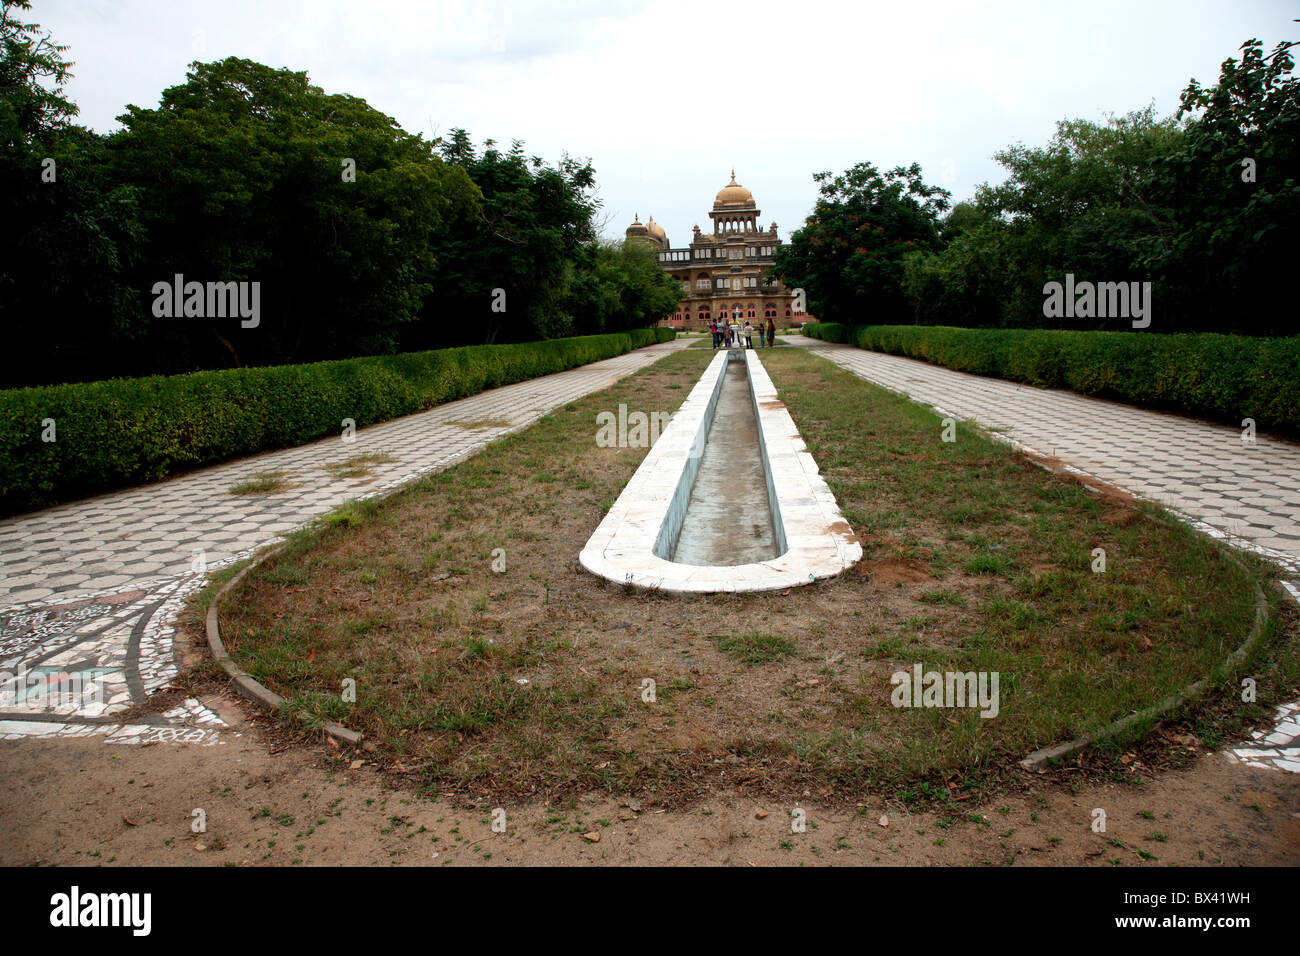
pixel 363 239
pixel 1204 206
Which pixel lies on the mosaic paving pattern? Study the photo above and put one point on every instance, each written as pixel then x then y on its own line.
pixel 1279 747
pixel 89 590
pixel 1245 493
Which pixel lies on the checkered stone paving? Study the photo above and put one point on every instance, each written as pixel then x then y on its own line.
pixel 1246 493
pixel 89 590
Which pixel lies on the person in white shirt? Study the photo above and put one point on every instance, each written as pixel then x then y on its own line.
pixel 749 335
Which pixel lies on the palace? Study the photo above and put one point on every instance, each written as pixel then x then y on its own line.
pixel 722 274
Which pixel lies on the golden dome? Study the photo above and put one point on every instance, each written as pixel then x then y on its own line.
pixel 655 229
pixel 734 194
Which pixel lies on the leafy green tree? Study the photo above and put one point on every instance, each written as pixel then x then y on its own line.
pixel 249 173
pixel 1203 205
pixel 33 75
pixel 71 234
pixel 534 227
pixel 1233 191
pixel 622 287
pixel 848 257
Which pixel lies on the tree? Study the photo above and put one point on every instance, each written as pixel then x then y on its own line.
pixel 71 234
pixel 33 74
pixel 1233 189
pixel 621 287
pixel 1203 205
pixel 534 227
pixel 249 173
pixel 849 255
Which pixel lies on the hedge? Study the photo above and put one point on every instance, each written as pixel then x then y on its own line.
pixel 1224 377
pixel 121 432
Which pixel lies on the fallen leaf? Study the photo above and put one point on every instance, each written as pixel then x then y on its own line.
pixel 760 815
pixel 128 821
pixel 592 837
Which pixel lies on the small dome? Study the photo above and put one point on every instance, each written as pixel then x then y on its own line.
pixel 637 228
pixel 655 229
pixel 734 194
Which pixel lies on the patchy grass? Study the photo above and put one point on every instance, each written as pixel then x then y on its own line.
pixel 528 679
pixel 263 483
pixel 752 647
pixel 358 466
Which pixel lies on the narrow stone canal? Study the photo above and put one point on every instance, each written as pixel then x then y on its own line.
pixel 728 517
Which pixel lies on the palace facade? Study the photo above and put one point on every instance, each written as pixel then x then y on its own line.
pixel 721 274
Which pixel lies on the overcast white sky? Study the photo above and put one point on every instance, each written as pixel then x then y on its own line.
pixel 665 97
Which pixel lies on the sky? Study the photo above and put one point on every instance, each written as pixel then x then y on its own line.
pixel 665 98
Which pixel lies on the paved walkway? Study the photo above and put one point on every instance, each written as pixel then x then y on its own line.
pixel 1247 494
pixel 89 589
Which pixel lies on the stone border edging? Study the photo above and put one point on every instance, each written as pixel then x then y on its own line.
pixel 250 687
pixel 1036 760
pixel 245 683
pixel 817 542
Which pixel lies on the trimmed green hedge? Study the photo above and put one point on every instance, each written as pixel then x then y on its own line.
pixel 1225 377
pixel 127 431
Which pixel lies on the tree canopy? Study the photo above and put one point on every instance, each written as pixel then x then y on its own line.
pixel 848 257
pixel 1202 204
pixel 362 238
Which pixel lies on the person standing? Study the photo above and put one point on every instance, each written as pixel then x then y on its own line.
pixel 749 335
pixel 771 331
pixel 713 327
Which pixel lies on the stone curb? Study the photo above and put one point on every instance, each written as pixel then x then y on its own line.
pixel 248 686
pixel 1039 758
pixel 244 682
pixel 1036 760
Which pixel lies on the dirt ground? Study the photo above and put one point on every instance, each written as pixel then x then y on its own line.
pixel 82 802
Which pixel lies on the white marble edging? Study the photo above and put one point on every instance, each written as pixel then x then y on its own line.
pixel 629 545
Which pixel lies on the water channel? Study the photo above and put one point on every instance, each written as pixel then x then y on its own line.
pixel 728 519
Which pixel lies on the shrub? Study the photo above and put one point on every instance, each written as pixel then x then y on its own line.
pixel 1225 377
pixel 125 431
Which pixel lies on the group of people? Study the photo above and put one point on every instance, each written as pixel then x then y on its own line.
pixel 733 335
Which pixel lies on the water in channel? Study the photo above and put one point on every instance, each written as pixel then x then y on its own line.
pixel 728 517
